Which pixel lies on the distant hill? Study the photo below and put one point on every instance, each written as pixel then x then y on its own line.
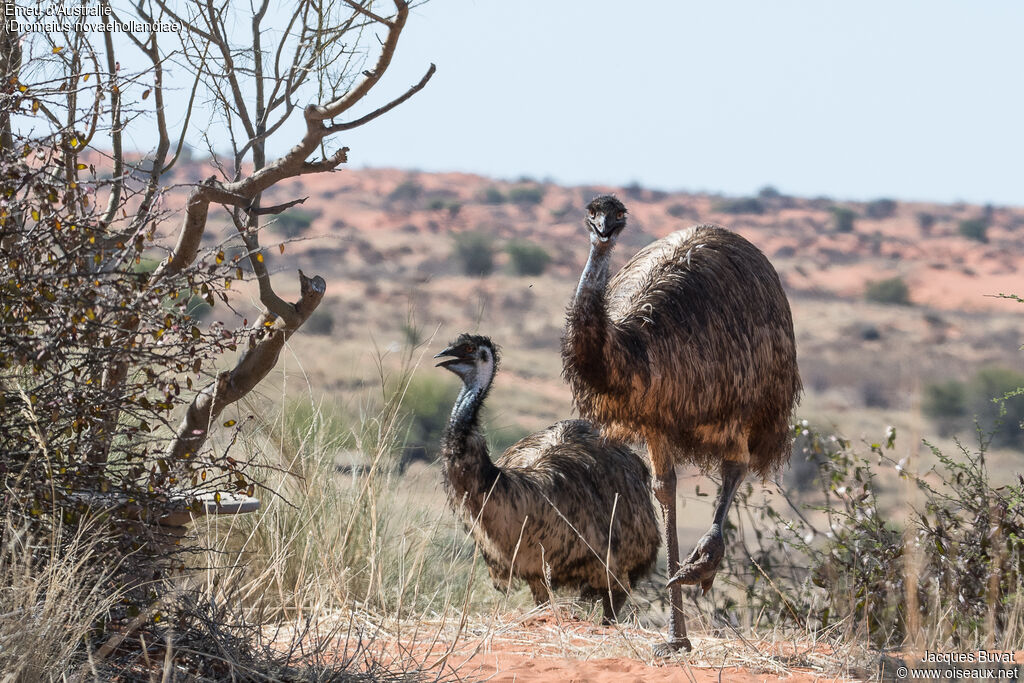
pixel 889 298
pixel 949 255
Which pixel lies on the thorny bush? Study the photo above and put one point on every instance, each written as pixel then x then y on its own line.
pixel 943 567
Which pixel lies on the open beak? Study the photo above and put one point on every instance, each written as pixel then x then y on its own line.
pixel 450 351
pixel 597 224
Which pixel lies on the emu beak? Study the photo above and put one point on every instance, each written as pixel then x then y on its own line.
pixel 598 224
pixel 450 351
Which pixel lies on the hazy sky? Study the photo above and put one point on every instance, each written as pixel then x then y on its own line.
pixel 914 100
pixel 910 99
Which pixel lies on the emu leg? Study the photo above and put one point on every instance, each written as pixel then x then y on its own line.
pixel 665 492
pixel 539 591
pixel 611 603
pixel 702 564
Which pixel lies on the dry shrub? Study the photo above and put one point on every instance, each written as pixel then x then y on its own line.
pixel 474 252
pixel 944 573
pixel 527 258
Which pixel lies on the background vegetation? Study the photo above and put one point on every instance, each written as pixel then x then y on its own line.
pixel 474 251
pixel 944 572
pixel 889 291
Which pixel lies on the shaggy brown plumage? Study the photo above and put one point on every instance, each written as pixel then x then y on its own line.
pixel 690 348
pixel 563 507
pixel 692 342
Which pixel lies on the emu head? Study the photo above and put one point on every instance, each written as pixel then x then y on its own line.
pixel 473 358
pixel 606 217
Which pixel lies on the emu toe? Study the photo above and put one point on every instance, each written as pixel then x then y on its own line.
pixel 663 650
pixel 702 564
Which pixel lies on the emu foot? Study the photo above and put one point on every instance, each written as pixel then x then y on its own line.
pixel 539 591
pixel 611 606
pixel 664 650
pixel 702 564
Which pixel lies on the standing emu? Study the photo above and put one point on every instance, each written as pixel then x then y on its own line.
pixel 690 348
pixel 563 507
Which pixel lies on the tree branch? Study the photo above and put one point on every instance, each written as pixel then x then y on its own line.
pixel 278 208
pixel 242 192
pixel 254 365
pixel 114 200
pixel 367 13
pixel 188 117
pixel 386 108
pixel 328 164
pixel 268 297
pixel 345 102
pixel 10 67
pixel 281 318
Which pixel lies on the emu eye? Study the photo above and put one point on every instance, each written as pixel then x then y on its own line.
pixel 592 213
pixel 470 348
pixel 620 215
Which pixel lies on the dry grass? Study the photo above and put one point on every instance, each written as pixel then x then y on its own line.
pixel 340 560
pixel 472 647
pixel 364 575
pixel 50 602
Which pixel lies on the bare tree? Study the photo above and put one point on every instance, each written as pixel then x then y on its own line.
pixel 106 373
pixel 255 89
pixel 308 53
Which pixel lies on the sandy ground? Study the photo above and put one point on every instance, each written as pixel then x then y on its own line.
pixel 506 669
pixel 547 647
pixel 503 667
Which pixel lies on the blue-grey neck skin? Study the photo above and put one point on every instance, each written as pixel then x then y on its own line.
pixel 475 385
pixel 468 470
pixel 466 408
pixel 596 272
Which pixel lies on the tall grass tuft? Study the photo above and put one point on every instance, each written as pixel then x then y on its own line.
pixel 50 604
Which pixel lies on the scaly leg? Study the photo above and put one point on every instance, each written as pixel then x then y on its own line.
pixel 665 492
pixel 611 603
pixel 702 564
pixel 539 590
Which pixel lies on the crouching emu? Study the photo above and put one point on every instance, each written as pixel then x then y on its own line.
pixel 562 507
pixel 690 348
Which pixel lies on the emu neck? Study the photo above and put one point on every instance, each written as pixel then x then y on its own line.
pixel 468 471
pixel 595 274
pixel 587 325
pixel 466 411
